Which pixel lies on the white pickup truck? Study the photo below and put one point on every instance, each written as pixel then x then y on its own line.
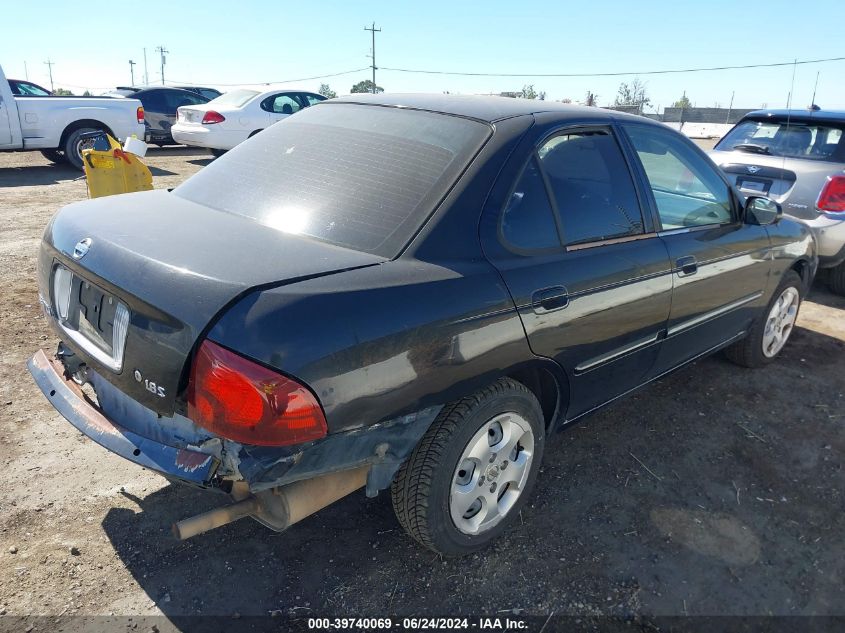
pixel 54 125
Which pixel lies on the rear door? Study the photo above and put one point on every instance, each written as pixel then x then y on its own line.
pixel 720 264
pixel 586 270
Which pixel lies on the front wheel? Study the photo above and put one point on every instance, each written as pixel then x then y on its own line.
pixel 770 332
pixel 472 471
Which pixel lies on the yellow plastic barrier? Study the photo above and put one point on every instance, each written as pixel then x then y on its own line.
pixel 114 171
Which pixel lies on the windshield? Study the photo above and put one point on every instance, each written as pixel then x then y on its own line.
pixel 363 177
pixel 819 141
pixel 235 98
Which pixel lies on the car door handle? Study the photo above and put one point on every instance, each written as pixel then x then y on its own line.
pixel 549 299
pixel 686 266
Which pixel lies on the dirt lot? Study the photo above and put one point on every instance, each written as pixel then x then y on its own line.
pixel 715 491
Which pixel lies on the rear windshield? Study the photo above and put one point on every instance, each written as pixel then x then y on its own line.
pixel 235 98
pixel 363 177
pixel 819 141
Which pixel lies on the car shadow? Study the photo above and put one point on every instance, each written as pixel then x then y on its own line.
pixel 37 175
pixel 700 445
pixel 202 162
pixel 176 150
pixel 157 171
pixel 820 294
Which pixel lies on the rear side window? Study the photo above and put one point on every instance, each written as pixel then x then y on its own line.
pixel 362 177
pixel 780 137
pixel 592 187
pixel 528 219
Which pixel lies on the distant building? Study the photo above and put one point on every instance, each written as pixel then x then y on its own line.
pixel 704 115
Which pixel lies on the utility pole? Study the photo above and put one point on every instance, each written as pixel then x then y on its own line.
pixel 132 71
pixel 373 30
pixel 146 76
pixel 730 107
pixel 25 71
pixel 162 51
pixel 50 69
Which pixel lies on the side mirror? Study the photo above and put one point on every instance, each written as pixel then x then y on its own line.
pixel 762 211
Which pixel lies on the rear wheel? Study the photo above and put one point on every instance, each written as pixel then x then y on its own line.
pixel 54 155
pixel 74 144
pixel 770 332
pixel 836 279
pixel 472 471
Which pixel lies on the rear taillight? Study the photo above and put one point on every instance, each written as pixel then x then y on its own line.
pixel 832 197
pixel 139 114
pixel 240 400
pixel 213 117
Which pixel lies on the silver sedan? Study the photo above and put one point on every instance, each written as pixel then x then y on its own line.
pixel 797 158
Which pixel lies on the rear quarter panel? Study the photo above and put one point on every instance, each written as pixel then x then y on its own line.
pixel 380 342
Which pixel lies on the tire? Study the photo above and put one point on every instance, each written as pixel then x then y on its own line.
pixel 455 461
pixel 836 279
pixel 54 156
pixel 758 348
pixel 217 153
pixel 73 146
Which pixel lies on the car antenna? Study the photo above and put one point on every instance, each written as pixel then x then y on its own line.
pixel 813 107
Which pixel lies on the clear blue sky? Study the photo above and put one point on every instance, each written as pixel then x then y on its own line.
pixel 244 41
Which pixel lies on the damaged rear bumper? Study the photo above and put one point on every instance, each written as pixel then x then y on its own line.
pixel 69 400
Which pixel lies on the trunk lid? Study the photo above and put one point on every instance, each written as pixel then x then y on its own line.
pixel 175 265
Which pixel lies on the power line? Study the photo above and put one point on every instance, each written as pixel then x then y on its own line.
pixel 281 81
pixel 614 74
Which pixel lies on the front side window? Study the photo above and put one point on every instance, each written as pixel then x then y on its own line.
pixel 310 99
pixel 281 104
pixel 687 188
pixel 783 137
pixel 592 187
pixel 528 219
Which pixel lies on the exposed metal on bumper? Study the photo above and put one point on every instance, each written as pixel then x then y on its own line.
pixel 68 399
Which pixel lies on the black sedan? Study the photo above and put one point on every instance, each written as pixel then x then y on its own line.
pixel 405 292
pixel 160 105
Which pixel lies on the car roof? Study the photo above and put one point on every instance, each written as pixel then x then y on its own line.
pixel 481 107
pixel 802 115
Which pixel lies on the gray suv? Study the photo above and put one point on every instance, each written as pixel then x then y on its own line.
pixel 797 158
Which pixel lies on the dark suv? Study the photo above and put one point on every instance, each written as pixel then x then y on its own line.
pixel 407 292
pixel 160 106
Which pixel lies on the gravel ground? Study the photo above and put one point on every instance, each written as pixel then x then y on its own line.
pixel 717 490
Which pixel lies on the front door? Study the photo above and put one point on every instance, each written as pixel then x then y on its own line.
pixel 720 264
pixel 280 106
pixel 586 270
pixel 5 124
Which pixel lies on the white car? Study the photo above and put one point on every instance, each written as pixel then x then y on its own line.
pixel 32 119
pixel 234 116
